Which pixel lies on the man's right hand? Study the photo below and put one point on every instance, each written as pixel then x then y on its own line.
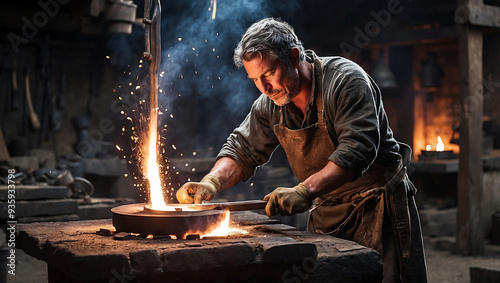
pixel 194 192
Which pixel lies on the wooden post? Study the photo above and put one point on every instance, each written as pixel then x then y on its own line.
pixel 471 16
pixel 470 233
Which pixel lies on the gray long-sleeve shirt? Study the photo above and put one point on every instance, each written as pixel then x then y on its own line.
pixel 354 115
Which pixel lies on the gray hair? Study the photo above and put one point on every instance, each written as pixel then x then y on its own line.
pixel 268 37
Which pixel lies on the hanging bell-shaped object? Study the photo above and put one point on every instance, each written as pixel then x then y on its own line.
pixel 382 75
pixel 431 73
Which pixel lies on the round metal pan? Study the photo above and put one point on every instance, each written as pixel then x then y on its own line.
pixel 134 218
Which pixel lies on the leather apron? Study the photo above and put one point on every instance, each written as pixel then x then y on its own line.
pixel 307 149
pixel 355 211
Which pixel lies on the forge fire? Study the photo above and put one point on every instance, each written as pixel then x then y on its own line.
pixel 157 217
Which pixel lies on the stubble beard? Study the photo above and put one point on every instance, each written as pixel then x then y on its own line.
pixel 283 99
pixel 286 97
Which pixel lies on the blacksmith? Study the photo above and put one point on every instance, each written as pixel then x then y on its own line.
pixel 327 114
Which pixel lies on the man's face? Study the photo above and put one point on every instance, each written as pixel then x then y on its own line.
pixel 274 78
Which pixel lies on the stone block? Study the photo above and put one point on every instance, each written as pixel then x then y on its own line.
pixel 146 261
pixel 364 265
pixel 95 211
pixel 46 158
pixel 122 236
pixel 438 215
pixel 105 166
pixel 445 244
pixel 35 192
pixel 91 268
pixel 100 208
pixel 439 229
pixel 438 223
pixel 348 246
pixel 196 259
pixel 277 227
pixel 24 163
pixel 484 275
pixel 74 250
pixel 53 218
pixel 289 252
pixel 105 232
pixel 42 207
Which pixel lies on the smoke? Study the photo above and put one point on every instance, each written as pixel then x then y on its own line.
pixel 202 90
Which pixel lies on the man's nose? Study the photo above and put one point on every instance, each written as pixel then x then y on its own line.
pixel 265 86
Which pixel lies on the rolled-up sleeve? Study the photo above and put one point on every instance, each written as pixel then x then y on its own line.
pixel 352 117
pixel 253 141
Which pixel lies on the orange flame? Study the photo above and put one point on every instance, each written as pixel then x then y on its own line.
pixel 219 229
pixel 223 229
pixel 440 144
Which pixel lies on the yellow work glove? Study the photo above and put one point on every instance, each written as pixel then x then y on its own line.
pixel 194 192
pixel 288 201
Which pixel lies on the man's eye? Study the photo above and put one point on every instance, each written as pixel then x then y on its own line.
pixel 269 74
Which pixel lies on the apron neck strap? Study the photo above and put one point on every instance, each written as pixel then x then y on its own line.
pixel 317 89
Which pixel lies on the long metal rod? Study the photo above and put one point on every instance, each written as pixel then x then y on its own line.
pixel 153 54
pixel 156 56
pixel 147 22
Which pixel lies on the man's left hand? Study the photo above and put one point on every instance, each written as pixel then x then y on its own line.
pixel 288 201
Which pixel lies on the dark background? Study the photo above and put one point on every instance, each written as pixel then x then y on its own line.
pixel 203 95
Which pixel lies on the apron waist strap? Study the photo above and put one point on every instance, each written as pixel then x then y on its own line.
pixel 352 198
pixel 377 177
pixel 396 178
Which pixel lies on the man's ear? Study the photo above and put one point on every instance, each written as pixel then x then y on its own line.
pixel 295 57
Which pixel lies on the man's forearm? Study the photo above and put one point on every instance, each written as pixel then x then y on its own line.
pixel 328 179
pixel 228 172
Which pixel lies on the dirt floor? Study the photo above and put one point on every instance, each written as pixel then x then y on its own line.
pixel 443 266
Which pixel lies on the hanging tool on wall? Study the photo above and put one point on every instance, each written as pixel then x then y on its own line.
pixel 46 99
pixel 61 96
pixel 33 117
pixel 11 67
pixel 47 126
pixel 14 102
pixel 57 118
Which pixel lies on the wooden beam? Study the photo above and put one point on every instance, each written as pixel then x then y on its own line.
pixel 400 37
pixel 470 233
pixel 478 14
pixel 419 36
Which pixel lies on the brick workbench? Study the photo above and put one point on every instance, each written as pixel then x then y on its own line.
pixel 270 252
